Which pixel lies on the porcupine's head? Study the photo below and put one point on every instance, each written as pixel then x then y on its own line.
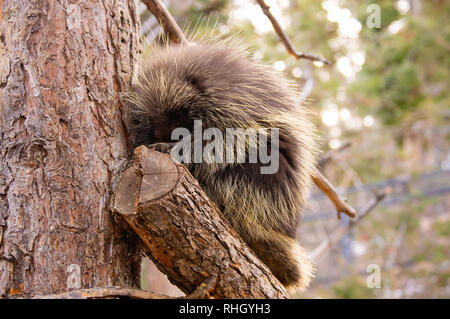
pixel 177 85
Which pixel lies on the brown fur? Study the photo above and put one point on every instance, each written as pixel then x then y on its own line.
pixel 217 82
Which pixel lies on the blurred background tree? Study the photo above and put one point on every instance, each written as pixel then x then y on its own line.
pixel 386 92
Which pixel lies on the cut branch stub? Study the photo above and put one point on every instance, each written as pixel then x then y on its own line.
pixel 185 233
pixel 159 174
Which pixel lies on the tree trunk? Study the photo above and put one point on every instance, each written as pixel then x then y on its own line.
pixel 63 144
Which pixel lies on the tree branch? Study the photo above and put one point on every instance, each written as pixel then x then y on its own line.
pixel 339 203
pixel 188 238
pixel 341 231
pixel 324 184
pixel 201 292
pixel 105 293
pixel 284 38
pixel 165 19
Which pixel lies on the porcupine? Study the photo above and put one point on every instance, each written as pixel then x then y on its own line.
pixel 216 81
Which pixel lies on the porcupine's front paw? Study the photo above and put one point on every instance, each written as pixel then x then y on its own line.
pixel 161 147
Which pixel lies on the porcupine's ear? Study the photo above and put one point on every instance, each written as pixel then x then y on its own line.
pixel 195 82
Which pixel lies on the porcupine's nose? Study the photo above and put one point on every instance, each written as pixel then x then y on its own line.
pixel 162 128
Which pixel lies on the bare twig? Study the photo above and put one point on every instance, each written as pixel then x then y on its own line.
pixel 341 231
pixel 326 187
pixel 379 196
pixel 284 38
pixel 328 156
pixel 166 20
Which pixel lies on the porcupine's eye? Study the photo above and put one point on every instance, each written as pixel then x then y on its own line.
pixel 135 122
pixel 195 83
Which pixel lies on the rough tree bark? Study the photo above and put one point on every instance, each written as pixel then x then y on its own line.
pixel 187 236
pixel 63 144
